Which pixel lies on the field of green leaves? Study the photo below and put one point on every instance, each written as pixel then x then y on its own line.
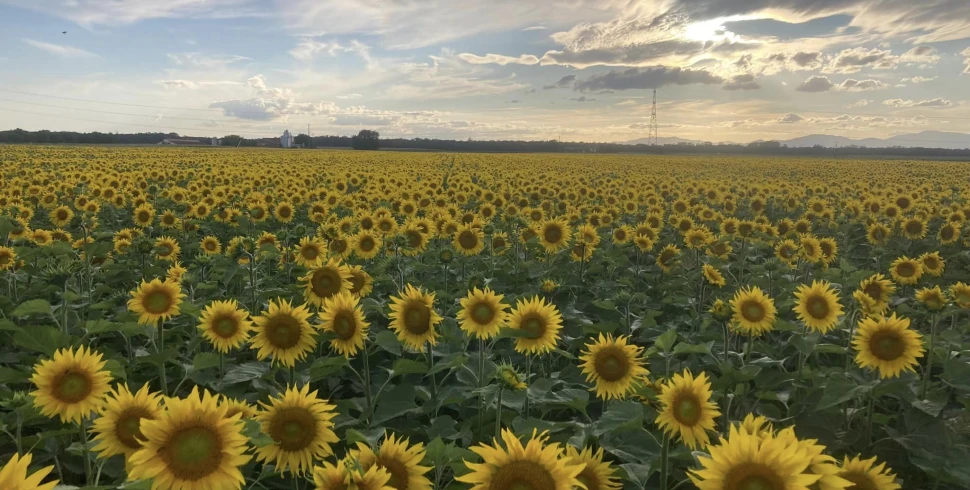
pixel 207 319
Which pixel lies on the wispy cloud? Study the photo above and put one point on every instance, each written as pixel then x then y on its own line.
pixel 60 50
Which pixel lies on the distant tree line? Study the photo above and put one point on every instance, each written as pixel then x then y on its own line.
pixel 367 139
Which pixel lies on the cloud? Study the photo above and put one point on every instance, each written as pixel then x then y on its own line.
pixel 805 59
pixel 563 82
pixel 60 50
pixel 513 101
pixel 193 85
pixel 924 55
pixel 966 59
pixel 583 99
pixel 820 83
pixel 855 59
pixel 90 13
pixel 816 83
pixel 447 76
pixel 917 79
pixel 349 96
pixel 790 118
pixel 268 104
pixel 852 85
pixel 647 78
pixel 741 82
pixel 534 28
pixel 858 103
pixel 200 60
pixel 937 102
pixel 498 59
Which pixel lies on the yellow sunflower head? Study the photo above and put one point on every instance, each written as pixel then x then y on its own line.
pixel 615 366
pixel 686 408
pixel 155 301
pixel 866 474
pixel 933 263
pixel 344 319
pixel 309 252
pixel 817 306
pixel 932 298
pixel 366 244
pixel 554 234
pixel 192 444
pixel 72 385
pixel 754 312
pixel 301 427
pixel 8 258
pixel 118 429
pixel 413 317
pixel 537 465
pixel 888 345
pixel 325 281
pixel 482 313
pixel 283 332
pixel 225 325
pixel 597 474
pixel 468 240
pixel 401 460
pixel 713 276
pixel 14 475
pixel 906 271
pixel 744 461
pixel 667 258
pixel 539 323
pixel 960 293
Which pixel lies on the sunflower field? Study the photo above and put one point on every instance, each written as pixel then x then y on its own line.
pixel 208 319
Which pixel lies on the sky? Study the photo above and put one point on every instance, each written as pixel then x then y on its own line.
pixel 579 70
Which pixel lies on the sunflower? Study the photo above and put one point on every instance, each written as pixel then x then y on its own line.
pixel 415 240
pixel 192 444
pixel 342 317
pixel 721 249
pixel 366 244
pixel 538 465
pixel 234 406
pixel 817 306
pixel 878 234
pixel 117 430
pixel 540 323
pixel 325 281
pixel 143 216
pixel 821 464
pixel 667 258
pixel 155 301
pixel 887 344
pixel 399 459
pixel 500 243
pixel 361 283
pixel 960 293
pixel 468 240
pixel 549 286
pixel 949 233
pixel 914 228
pixel 878 288
pixel 283 332
pixel 225 325
pixel 61 216
pixel 13 475
pixel 331 476
pixel 309 252
pixel 744 461
pixel 698 237
pixel 643 243
pixel 413 317
pixel 596 474
pixel 73 385
pixel 622 234
pixel 8 258
pixel 283 212
pixel 810 248
pixel 210 245
pixel 932 298
pixel 166 248
pixel 554 234
pixel 482 313
pixel 866 475
pixel 176 273
pixel 301 427
pixel 830 249
pixel 933 264
pixel 614 365
pixel 686 408
pixel 713 276
pixel 906 271
pixel 753 311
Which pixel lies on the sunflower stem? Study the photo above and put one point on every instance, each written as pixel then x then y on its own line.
pixel 747 352
pixel 868 428
pixel 664 462
pixel 434 384
pixel 498 412
pixel 727 338
pixel 528 381
pixel 222 364
pixel 929 359
pixel 481 387
pixel 367 394
pixel 161 364
pixel 83 433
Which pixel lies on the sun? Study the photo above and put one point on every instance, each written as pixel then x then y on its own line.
pixel 615 366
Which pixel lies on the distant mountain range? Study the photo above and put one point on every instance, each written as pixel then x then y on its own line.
pixel 924 139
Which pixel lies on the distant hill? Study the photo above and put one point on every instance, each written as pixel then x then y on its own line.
pixel 924 139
